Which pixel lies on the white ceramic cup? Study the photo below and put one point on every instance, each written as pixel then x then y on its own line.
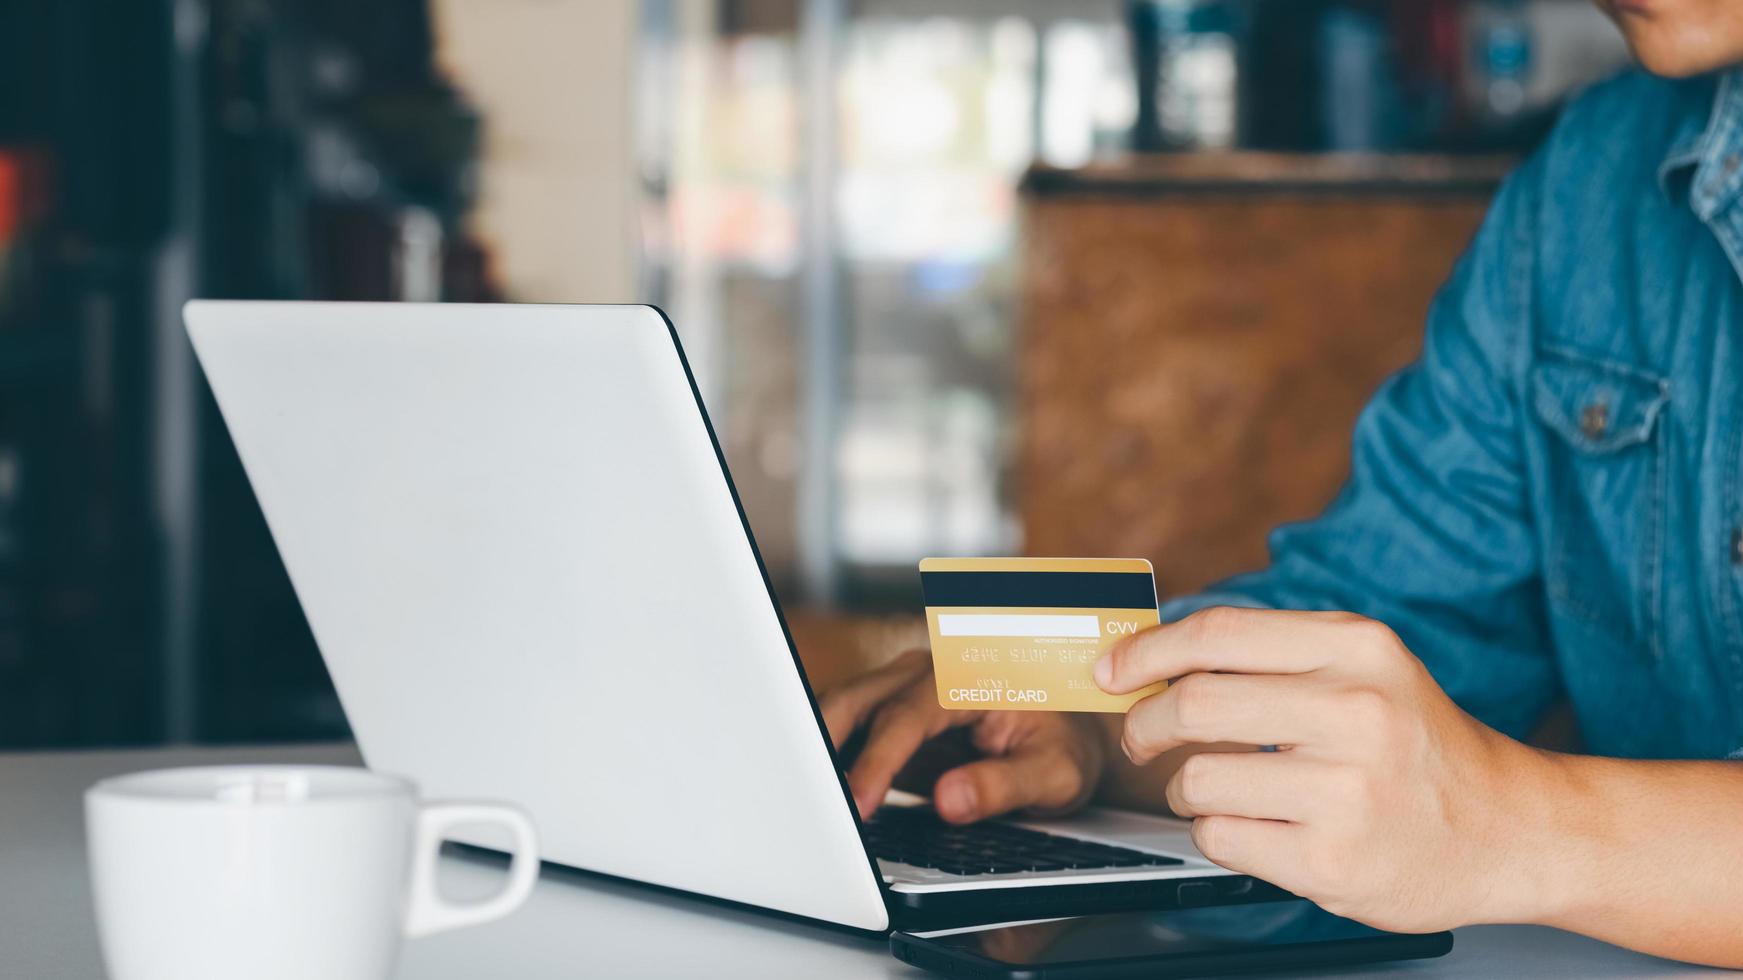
pixel 278 872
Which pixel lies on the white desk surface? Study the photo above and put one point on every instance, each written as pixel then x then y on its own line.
pixel 575 925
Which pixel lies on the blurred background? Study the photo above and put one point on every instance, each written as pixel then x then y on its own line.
pixel 957 277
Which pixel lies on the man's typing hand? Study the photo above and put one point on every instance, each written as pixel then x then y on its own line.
pixel 1031 760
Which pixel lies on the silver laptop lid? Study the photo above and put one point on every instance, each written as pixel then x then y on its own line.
pixel 516 543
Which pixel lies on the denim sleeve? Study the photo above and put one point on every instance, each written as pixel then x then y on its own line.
pixel 1433 534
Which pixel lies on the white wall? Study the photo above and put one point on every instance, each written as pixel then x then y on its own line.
pixel 552 80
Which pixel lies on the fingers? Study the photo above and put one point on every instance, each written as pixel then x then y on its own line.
pixel 1043 775
pixel 847 707
pixel 1227 639
pixel 897 732
pixel 1258 785
pixel 1251 709
pixel 1256 847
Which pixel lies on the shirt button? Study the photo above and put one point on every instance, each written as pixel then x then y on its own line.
pixel 1595 419
pixel 1737 546
pixel 1731 162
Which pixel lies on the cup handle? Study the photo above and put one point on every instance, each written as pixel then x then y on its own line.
pixel 426 910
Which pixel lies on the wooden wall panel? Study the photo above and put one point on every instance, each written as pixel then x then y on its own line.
pixel 1196 345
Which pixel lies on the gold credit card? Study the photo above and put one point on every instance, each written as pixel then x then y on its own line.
pixel 1023 634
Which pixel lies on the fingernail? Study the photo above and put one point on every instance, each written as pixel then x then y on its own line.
pixel 956 799
pixel 1104 672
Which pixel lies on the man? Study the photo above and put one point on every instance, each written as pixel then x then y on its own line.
pixel 1548 505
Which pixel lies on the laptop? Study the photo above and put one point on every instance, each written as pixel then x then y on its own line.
pixel 516 540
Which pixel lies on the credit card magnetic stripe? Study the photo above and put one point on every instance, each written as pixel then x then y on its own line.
pixel 1082 590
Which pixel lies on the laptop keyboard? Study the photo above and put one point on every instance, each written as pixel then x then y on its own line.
pixel 916 836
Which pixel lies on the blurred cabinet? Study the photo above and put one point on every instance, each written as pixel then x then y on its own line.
pixel 1199 333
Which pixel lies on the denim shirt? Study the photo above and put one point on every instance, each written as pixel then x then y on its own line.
pixel 1547 504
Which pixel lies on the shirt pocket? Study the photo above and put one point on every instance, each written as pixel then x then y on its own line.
pixel 1604 493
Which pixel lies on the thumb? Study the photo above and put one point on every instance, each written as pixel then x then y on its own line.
pixel 1041 776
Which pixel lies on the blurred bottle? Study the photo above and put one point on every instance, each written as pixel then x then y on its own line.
pixel 1361 107
pixel 1430 59
pixel 1501 59
pixel 11 220
pixel 1186 62
pixel 1280 71
pixel 23 204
